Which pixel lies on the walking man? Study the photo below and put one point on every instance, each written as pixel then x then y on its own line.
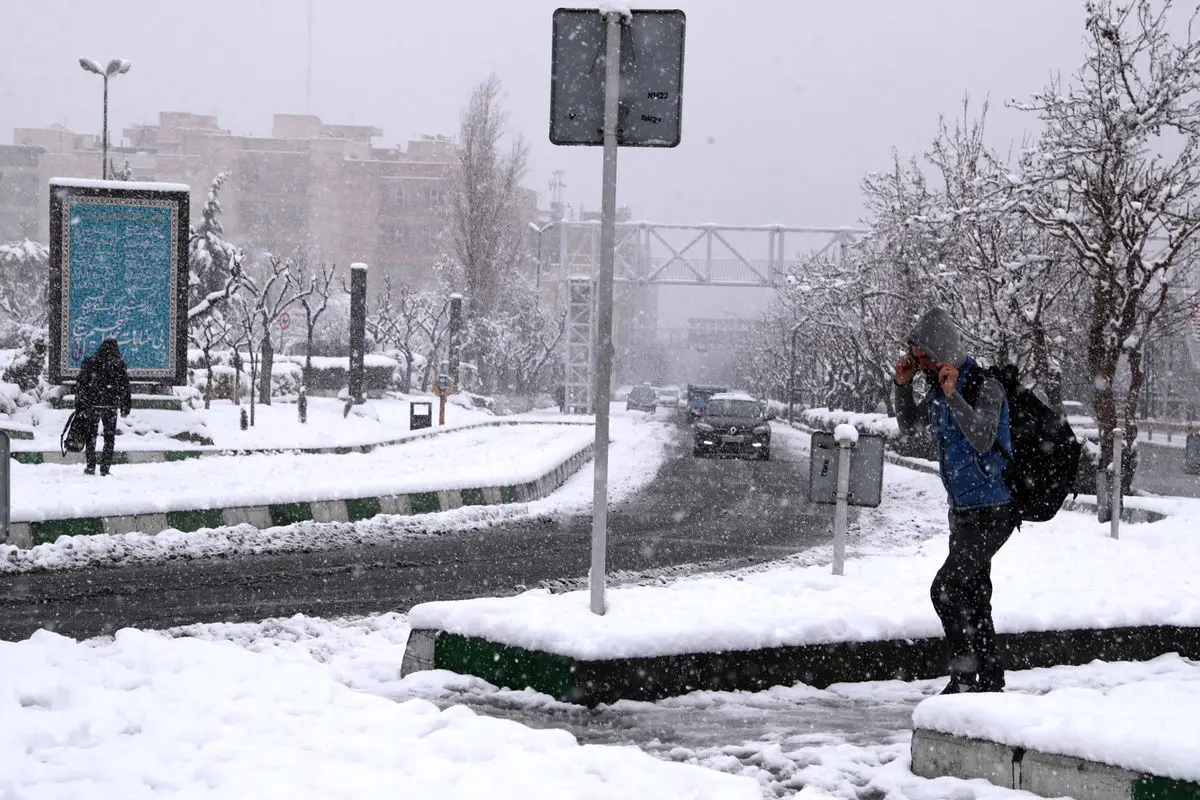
pixel 973 443
pixel 101 390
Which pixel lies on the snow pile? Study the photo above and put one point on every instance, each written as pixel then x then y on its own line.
pixel 1148 726
pixel 144 714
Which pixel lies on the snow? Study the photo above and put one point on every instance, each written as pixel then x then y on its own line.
pixel 637 452
pixel 505 455
pixel 359 265
pixel 141 186
pixel 1146 726
pixel 845 434
pixel 276 427
pixel 143 714
pixel 1062 574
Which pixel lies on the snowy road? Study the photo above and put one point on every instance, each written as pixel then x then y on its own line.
pixel 714 513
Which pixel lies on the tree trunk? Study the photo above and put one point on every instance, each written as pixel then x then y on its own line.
pixel 408 371
pixel 308 357
pixel 253 375
pixel 1136 378
pixel 264 377
pixel 208 387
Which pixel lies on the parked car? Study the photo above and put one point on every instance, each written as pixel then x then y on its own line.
pixel 668 396
pixel 733 424
pixel 697 397
pixel 642 398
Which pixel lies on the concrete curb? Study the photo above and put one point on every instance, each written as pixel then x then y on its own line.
pixel 29 534
pixel 201 451
pixel 936 754
pixel 593 682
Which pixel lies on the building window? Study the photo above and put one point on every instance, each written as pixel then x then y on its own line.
pixel 434 195
pixel 394 235
pixel 393 195
pixel 433 234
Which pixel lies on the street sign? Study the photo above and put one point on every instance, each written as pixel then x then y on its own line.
pixel 441 385
pixel 651 86
pixel 285 321
pixel 866 470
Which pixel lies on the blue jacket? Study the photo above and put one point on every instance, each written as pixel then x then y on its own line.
pixel 972 479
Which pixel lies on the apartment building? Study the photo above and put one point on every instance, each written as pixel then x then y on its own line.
pixel 326 189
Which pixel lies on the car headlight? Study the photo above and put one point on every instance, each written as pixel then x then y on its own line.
pixel 703 426
pixel 763 429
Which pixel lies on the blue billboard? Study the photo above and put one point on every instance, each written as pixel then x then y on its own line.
pixel 119 270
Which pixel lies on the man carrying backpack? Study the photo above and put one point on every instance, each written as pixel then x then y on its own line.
pixel 973 440
pixel 101 390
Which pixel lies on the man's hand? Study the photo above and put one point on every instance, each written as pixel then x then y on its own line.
pixel 948 378
pixel 906 368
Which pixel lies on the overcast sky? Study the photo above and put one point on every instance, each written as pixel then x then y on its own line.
pixel 786 102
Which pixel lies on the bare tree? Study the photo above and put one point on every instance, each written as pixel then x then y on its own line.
pixel 484 205
pixel 315 303
pixel 1115 176
pixel 211 331
pixel 276 288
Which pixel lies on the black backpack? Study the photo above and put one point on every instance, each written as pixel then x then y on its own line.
pixel 1045 458
pixel 74 434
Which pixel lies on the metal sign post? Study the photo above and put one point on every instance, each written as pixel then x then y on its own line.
pixel 846 469
pixel 441 387
pixel 1114 519
pixel 638 104
pixel 841 510
pixel 5 487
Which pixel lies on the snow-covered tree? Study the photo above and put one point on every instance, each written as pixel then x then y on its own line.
pixel 485 224
pixel 214 264
pixel 24 278
pixel 315 303
pixel 1115 177
pixel 271 287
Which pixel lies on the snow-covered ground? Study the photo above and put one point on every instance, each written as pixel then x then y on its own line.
pixel 504 455
pixel 145 715
pixel 637 452
pixel 1061 574
pixel 192 712
pixel 276 427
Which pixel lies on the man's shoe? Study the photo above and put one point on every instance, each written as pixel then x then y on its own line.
pixel 991 681
pixel 961 684
pixel 89 470
pixel 104 470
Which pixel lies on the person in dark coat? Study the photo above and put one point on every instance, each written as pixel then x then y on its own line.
pixel 973 445
pixel 101 390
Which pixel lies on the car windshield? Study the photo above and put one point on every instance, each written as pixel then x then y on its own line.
pixel 642 393
pixel 733 408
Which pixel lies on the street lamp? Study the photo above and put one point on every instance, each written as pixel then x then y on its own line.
pixel 792 373
pixel 118 66
pixel 539 230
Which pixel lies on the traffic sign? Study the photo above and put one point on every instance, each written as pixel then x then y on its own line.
pixel 285 321
pixel 441 385
pixel 651 93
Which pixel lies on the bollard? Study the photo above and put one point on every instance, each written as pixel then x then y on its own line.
pixel 841 509
pixel 302 406
pixel 5 487
pixel 1114 520
pixel 245 420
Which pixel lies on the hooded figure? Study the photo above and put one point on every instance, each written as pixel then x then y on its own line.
pixel 101 390
pixel 973 446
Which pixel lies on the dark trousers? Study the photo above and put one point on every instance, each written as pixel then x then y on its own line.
pixel 962 594
pixel 93 417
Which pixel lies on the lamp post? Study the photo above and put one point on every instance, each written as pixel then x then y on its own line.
pixel 792 372
pixel 118 66
pixel 539 230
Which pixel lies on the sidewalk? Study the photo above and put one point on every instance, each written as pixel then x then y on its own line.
pixel 497 462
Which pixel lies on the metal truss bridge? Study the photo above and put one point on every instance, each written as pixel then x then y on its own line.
pixel 648 253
